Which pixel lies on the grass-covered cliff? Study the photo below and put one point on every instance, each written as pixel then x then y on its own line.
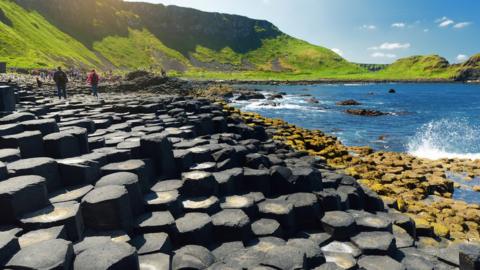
pixel 113 34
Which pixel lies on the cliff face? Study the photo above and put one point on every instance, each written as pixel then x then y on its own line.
pixel 182 29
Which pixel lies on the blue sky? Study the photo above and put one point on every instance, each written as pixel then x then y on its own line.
pixel 366 31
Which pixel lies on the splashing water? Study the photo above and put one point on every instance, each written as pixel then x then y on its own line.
pixel 446 138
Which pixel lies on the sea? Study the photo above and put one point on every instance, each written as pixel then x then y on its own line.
pixel 426 120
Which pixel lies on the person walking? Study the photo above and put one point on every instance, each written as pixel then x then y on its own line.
pixel 60 78
pixel 93 80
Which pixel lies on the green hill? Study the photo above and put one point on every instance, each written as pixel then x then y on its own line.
pixel 113 34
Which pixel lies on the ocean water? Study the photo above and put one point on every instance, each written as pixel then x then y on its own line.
pixel 427 120
pixel 431 121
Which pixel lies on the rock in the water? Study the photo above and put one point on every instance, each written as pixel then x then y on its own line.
pixel 348 102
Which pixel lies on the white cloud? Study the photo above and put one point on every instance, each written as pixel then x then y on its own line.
pixel 383 55
pixel 368 27
pixel 461 25
pixel 398 25
pixel 337 51
pixel 446 23
pixel 391 46
pixel 461 58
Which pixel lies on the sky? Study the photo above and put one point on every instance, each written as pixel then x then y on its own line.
pixel 366 31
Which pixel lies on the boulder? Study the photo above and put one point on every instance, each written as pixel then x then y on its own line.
pixel 30 143
pixel 158 147
pixel 230 225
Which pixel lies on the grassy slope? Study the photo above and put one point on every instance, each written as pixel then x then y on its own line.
pixel 139 50
pixel 283 57
pixel 33 42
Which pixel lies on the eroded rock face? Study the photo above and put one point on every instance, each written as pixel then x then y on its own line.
pixel 183 181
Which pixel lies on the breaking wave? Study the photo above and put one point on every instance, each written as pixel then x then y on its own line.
pixel 446 138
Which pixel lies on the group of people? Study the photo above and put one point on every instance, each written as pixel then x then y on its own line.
pixel 61 79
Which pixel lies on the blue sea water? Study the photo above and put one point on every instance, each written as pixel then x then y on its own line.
pixel 434 120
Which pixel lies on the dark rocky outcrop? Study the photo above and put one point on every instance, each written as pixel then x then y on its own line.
pixel 365 112
pixel 349 102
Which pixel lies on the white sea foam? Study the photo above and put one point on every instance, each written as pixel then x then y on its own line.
pixel 446 138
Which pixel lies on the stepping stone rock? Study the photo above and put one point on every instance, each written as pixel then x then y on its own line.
pixel 70 194
pixel 130 182
pixel 107 208
pixel 306 210
pixel 49 254
pixel 417 263
pixel 30 143
pixel 267 227
pixel 192 257
pixel 198 183
pixel 256 180
pixel 61 145
pixel 167 185
pixel 375 243
pixel 42 166
pixel 157 147
pixel 224 250
pixel 314 255
pixel 164 201
pixel 45 126
pixel 194 228
pixel 230 225
pixel 373 223
pixel 9 155
pixel 280 211
pixel 285 257
pixel 152 243
pixel 89 242
pixel 379 263
pixel 112 256
pixel 143 169
pixel 340 225
pixel 67 214
pixel 206 205
pixel 78 171
pixel 245 203
pixel 21 195
pixel 9 245
pixel 155 222
pixel 37 236
pixel 336 247
pixel 343 261
pixel 156 261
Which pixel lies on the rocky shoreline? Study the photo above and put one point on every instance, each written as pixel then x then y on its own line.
pixel 140 180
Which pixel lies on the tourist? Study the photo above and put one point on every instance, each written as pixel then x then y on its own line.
pixel 60 78
pixel 39 83
pixel 93 79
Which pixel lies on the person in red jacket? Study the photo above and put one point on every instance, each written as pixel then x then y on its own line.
pixel 93 80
